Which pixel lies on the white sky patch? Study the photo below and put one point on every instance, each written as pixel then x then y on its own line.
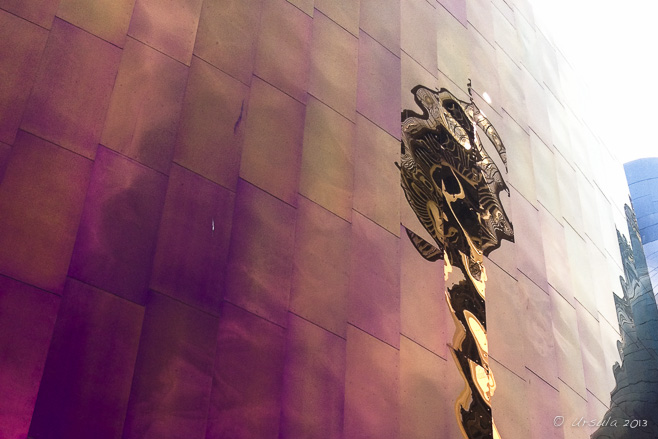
pixel 613 48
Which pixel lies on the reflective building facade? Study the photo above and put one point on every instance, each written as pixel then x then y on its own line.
pixel 206 230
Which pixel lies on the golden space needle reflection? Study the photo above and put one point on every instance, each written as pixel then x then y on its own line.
pixel 453 187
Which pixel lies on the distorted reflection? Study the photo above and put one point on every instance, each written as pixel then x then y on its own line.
pixel 453 187
pixel 633 409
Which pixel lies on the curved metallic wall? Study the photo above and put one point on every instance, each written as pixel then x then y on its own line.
pixel 642 176
pixel 203 230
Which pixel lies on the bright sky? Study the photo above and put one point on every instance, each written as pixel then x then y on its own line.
pixel 613 46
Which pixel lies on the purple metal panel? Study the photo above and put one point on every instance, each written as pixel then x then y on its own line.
pixel 72 90
pixel 116 238
pixel 321 272
pixel 314 382
pixel 41 199
pixel 192 247
pixel 145 106
pixel 22 41
pixel 40 12
pixel 86 381
pixel 371 388
pixel 261 252
pixel 374 297
pixel 247 379
pixel 27 318
pixel 5 150
pixel 171 388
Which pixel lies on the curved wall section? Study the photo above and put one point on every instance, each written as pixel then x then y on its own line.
pixel 642 176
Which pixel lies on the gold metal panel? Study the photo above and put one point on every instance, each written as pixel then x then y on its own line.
pixel 376 179
pixel 381 20
pixel 344 12
pixel 327 168
pixel 211 128
pixel 145 106
pixel 227 37
pixel 169 27
pixel 333 66
pixel 273 141
pixel 419 14
pixel 107 19
pixel 283 25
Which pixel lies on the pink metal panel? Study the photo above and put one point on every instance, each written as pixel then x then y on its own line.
pixel 247 379
pixel 321 270
pixel 313 383
pixel 87 378
pixel 27 318
pixel 192 246
pixel 40 12
pixel 260 256
pixel 173 372
pixel 371 388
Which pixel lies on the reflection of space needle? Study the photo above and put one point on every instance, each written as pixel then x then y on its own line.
pixel 453 187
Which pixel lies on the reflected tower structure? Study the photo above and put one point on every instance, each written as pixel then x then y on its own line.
pixel 634 397
pixel 642 177
pixel 453 187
